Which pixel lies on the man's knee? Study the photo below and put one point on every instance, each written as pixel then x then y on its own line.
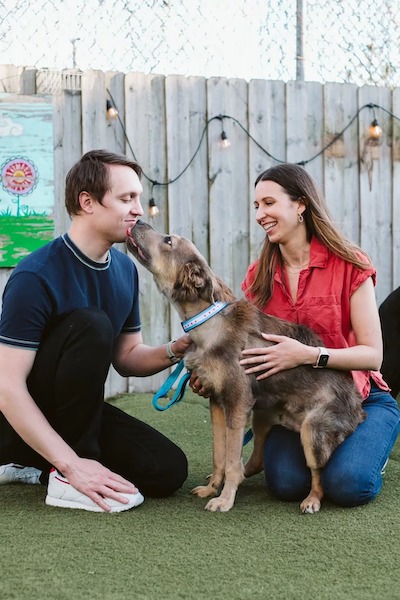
pixel 169 478
pixel 92 323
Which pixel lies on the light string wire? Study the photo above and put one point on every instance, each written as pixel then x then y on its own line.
pixel 220 117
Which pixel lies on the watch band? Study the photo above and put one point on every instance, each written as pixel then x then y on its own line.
pixel 172 357
pixel 322 359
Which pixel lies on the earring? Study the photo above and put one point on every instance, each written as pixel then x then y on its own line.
pixel 301 218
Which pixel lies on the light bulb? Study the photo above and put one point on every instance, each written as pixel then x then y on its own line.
pixel 153 208
pixel 225 143
pixel 112 112
pixel 375 131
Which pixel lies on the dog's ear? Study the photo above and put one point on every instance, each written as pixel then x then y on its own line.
pixel 193 282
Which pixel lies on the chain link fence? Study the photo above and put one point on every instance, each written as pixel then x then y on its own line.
pixel 355 41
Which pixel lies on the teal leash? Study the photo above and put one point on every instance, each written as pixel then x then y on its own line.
pixel 167 385
pixel 180 392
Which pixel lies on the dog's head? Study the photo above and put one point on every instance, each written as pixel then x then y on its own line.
pixel 181 273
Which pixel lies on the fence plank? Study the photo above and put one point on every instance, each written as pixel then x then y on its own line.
pixel 376 189
pixel 115 142
pixel 145 126
pixel 186 120
pixel 67 150
pixel 94 120
pixel 228 176
pixel 304 126
pixel 18 80
pixel 267 125
pixel 116 94
pixel 341 159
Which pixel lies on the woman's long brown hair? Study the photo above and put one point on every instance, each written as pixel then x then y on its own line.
pixel 298 184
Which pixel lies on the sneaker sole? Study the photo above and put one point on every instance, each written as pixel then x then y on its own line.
pixel 59 503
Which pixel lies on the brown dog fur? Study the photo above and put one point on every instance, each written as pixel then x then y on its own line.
pixel 322 404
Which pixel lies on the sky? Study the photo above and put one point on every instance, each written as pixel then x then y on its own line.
pixel 343 39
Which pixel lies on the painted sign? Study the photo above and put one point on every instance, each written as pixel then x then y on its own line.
pixel 27 176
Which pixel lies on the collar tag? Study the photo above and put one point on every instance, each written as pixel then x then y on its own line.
pixel 203 316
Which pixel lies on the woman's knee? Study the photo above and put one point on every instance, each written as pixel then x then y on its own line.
pixel 344 487
pixel 286 473
pixel 288 489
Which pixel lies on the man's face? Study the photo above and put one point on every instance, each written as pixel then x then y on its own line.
pixel 121 206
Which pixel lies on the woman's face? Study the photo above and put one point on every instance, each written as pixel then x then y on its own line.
pixel 276 212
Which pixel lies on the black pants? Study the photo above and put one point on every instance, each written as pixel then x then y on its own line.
pixel 67 383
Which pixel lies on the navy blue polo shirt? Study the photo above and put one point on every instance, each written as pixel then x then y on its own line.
pixel 57 279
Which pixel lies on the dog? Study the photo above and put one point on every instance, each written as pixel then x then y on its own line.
pixel 389 313
pixel 322 404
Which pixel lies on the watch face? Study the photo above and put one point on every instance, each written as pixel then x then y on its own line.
pixel 323 360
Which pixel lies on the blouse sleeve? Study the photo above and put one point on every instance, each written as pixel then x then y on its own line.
pixel 358 276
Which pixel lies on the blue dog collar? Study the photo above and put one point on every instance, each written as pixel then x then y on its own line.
pixel 203 316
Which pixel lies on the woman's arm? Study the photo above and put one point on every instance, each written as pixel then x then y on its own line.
pixel 287 353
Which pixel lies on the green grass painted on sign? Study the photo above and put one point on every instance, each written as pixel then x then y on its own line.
pixel 19 236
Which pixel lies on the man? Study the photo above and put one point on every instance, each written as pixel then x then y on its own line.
pixel 70 309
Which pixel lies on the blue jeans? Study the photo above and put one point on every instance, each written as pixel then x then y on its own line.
pixel 353 474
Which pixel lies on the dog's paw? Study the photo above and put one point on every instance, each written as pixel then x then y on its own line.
pixel 218 505
pixel 310 505
pixel 204 491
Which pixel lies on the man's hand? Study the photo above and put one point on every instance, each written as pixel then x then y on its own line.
pixel 97 482
pixel 197 386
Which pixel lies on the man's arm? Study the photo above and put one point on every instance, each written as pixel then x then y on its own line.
pixel 133 358
pixel 24 416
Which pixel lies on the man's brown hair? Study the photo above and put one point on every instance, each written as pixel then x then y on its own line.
pixel 91 174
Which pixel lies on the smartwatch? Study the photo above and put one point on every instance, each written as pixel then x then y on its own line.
pixel 322 359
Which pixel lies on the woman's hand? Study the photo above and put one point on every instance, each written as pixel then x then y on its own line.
pixel 284 353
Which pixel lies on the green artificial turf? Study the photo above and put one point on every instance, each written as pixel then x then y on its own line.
pixel 169 549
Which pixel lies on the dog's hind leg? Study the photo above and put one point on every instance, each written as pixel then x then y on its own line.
pixel 261 428
pixel 219 449
pixel 312 503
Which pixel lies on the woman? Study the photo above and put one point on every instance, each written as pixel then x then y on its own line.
pixel 309 273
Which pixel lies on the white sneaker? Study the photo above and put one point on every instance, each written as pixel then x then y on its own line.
pixel 62 494
pixel 13 473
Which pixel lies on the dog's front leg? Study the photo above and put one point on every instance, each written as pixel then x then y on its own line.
pixel 219 445
pixel 233 471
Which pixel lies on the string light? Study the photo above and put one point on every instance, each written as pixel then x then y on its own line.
pixel 225 142
pixel 224 139
pixel 111 111
pixel 153 208
pixel 375 131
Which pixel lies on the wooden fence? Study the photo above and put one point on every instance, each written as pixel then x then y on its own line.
pixel 163 120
